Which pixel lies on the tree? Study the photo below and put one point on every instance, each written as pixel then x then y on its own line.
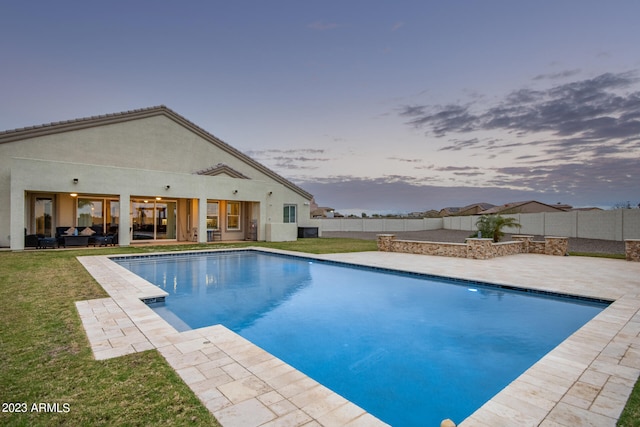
pixel 490 226
pixel 624 205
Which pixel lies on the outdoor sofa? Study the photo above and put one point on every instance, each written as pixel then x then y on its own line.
pixel 84 236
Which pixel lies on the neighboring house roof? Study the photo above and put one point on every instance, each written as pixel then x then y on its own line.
pixel 321 211
pixel 563 206
pixel 474 208
pixel 107 119
pixel 471 209
pixel 587 209
pixel 422 214
pixel 449 211
pixel 517 207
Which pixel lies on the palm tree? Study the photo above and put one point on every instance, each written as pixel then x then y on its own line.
pixel 490 226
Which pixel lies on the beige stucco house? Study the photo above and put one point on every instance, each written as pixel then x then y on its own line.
pixel 147 175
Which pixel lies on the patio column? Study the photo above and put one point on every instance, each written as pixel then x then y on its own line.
pixel 17 219
pixel 124 237
pixel 202 220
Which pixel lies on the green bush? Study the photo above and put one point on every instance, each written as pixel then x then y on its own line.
pixel 490 226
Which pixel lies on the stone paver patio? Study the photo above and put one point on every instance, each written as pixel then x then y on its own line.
pixel 585 381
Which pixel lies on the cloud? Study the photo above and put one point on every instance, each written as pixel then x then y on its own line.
pixel 458 145
pixel 560 75
pixel 259 153
pixel 405 160
pixel 601 107
pixel 396 26
pixel 455 168
pixel 575 142
pixel 290 159
pixel 298 162
pixel 301 159
pixel 442 120
pixel 394 194
pixel 599 180
pixel 596 182
pixel 580 140
pixel 468 171
pixel 334 138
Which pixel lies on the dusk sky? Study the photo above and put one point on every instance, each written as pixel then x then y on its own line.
pixel 372 106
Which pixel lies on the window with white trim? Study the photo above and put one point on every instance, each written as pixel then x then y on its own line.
pixel 233 215
pixel 289 214
pixel 212 216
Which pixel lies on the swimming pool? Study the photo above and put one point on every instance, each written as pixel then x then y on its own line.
pixel 410 349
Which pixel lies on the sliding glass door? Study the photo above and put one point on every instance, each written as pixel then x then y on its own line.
pixel 153 219
pixel 165 220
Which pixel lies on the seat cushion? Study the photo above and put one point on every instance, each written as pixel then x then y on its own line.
pixel 87 232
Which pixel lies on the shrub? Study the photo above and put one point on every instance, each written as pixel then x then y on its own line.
pixel 490 226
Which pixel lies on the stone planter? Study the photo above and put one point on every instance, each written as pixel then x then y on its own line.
pixel 475 248
pixel 632 249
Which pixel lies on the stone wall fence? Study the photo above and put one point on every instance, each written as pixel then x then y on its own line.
pixel 477 248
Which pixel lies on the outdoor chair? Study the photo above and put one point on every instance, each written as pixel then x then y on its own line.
pixel 39 241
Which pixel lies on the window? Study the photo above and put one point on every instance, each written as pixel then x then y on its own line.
pixel 212 216
pixel 113 216
pixel 90 213
pixel 233 216
pixel 43 215
pixel 289 214
pixel 96 212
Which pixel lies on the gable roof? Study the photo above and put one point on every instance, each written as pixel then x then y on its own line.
pixel 160 110
pixel 220 169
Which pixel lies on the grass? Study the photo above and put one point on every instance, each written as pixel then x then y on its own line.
pixel 45 356
pixel 598 255
pixel 631 415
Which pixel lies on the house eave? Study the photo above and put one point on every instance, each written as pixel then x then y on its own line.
pixel 108 119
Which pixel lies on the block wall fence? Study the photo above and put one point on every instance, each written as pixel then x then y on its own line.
pixel 619 224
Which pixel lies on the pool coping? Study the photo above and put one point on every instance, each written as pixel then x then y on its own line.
pixel 240 383
pixel 586 380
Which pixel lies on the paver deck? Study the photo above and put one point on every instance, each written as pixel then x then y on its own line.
pixel 585 381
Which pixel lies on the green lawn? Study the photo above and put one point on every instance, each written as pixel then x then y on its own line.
pixel 45 357
pixel 598 255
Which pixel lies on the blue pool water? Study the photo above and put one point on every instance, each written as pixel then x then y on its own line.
pixel 410 349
